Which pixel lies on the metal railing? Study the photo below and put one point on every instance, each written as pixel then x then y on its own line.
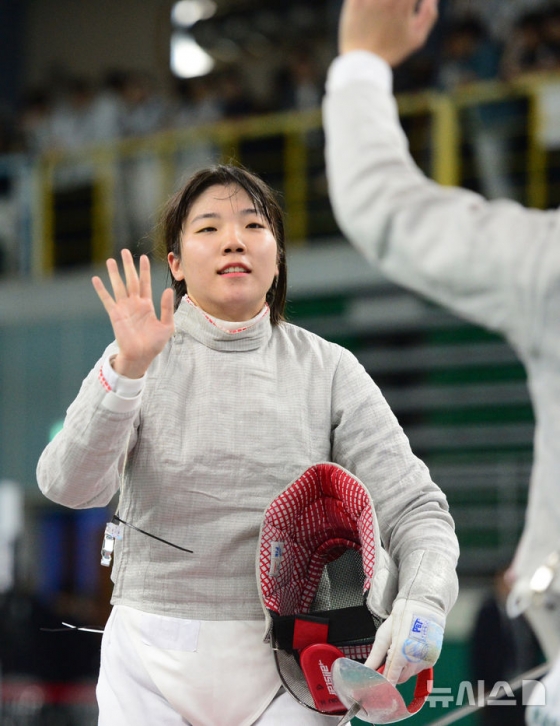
pixel 135 176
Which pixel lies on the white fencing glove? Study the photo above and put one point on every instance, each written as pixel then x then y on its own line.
pixel 409 641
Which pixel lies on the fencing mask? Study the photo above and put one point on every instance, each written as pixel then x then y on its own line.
pixel 325 581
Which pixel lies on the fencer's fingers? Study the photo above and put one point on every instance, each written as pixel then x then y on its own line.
pixel 395 675
pixel 119 288
pixel 393 669
pixel 131 276
pixel 103 295
pixel 167 300
pixel 381 645
pixel 145 277
pixel 375 659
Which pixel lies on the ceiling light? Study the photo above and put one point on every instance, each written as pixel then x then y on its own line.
pixel 188 59
pixel 188 12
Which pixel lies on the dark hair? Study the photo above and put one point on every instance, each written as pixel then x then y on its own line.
pixel 178 207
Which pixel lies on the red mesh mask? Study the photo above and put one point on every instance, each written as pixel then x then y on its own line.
pixel 323 577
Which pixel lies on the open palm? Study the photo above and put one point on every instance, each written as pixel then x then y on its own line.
pixel 139 333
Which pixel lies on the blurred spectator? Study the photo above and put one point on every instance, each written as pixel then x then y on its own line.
pixel 548 88
pixel 35 121
pixel 197 103
pixel 236 99
pixel 299 87
pixel 300 82
pixel 68 113
pixel 109 103
pixel 497 16
pixel 80 119
pixel 144 112
pixel 470 55
pixel 551 37
pixel 525 50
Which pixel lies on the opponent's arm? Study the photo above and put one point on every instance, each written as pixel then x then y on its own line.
pixel 480 259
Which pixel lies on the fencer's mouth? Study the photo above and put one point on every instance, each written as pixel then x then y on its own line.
pixel 231 269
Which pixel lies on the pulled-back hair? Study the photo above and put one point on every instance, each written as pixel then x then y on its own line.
pixel 178 207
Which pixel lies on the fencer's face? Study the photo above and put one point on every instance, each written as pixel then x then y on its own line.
pixel 228 254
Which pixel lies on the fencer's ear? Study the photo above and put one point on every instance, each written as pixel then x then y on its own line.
pixel 175 266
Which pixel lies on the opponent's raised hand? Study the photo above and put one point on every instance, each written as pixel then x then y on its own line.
pixel 392 29
pixel 139 333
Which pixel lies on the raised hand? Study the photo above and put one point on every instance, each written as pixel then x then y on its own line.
pixel 140 335
pixel 392 29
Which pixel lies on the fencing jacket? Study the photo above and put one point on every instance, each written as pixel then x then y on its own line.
pixel 224 422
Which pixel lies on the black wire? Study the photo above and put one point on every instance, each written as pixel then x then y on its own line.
pixel 68 628
pixel 153 536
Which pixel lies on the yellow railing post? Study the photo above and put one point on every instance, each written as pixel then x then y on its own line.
pixel 103 209
pixel 446 165
pixel 229 148
pixel 43 254
pixel 537 187
pixel 168 149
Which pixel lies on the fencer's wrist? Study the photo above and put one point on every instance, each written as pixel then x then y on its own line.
pixel 122 386
pixel 359 65
pixel 131 369
pixel 430 579
pixel 420 632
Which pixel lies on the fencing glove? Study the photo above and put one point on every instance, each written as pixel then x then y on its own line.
pixel 409 641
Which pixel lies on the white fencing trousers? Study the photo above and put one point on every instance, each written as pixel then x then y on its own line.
pixel 127 693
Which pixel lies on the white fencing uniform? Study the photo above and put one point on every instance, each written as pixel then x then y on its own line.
pixel 221 424
pixel 496 264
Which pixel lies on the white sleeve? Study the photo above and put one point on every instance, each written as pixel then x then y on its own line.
pixel 82 466
pixel 359 65
pixel 491 262
pixel 415 525
pixel 123 387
